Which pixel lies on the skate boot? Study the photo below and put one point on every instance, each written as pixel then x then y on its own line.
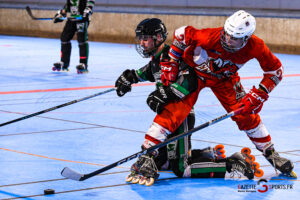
pixel 236 164
pixel 60 66
pixel 284 165
pixel 246 152
pixel 81 68
pixel 143 171
pixel 219 151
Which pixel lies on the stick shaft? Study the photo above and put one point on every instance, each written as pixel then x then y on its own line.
pixel 82 177
pixel 56 107
pixel 28 9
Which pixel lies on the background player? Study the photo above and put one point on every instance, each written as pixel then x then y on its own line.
pixel 76 8
pixel 216 55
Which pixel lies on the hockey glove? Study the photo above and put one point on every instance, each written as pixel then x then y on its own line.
pixel 123 83
pixel 87 14
pixel 159 98
pixel 252 103
pixel 58 15
pixel 169 72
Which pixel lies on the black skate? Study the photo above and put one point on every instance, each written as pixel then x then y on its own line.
pixel 284 165
pixel 236 164
pixel 143 171
pixel 60 66
pixel 81 68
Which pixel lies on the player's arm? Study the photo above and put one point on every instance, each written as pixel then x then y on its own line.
pixel 183 37
pixel 128 77
pixel 273 73
pixel 176 85
pixel 185 83
pixel 273 70
pixel 88 11
pixel 60 14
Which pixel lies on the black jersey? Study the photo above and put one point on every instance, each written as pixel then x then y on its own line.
pixel 76 7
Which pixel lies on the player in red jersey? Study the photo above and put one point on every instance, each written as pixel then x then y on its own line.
pixel 216 55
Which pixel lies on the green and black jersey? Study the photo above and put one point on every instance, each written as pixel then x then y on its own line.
pixel 186 81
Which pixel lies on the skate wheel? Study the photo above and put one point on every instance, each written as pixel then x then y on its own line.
pixel 246 151
pixel 258 173
pixel 223 156
pixel 142 181
pixel 219 147
pixel 255 165
pixel 129 178
pixel 53 69
pixel 250 158
pixel 149 181
pixel 135 179
pixel 222 151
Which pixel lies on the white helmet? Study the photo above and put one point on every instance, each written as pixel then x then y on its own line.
pixel 240 25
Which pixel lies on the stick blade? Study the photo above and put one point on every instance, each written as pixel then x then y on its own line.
pixel 71 174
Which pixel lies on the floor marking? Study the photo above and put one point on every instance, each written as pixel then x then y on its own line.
pixel 110 86
pixel 57 159
pixel 65 120
pixel 58 179
pixel 85 189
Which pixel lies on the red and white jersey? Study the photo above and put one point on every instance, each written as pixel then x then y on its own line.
pixel 202 49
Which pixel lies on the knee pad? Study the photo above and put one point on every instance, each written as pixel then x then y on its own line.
pixel 259 136
pixel 155 135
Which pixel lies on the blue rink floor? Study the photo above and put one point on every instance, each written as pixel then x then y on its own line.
pixel 91 134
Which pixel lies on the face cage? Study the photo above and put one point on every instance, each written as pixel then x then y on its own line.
pixel 146 53
pixel 227 47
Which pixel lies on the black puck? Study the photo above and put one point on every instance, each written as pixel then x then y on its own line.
pixel 49 191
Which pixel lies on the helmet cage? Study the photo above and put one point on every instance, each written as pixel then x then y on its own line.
pixel 148 52
pixel 229 47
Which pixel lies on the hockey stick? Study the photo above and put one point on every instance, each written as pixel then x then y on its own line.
pixel 71 174
pixel 28 9
pixel 56 107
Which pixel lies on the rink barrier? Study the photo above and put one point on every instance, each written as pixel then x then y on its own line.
pixel 282 35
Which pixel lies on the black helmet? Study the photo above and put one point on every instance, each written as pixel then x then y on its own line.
pixel 150 28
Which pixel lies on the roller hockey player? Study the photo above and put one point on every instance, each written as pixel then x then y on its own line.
pixel 76 8
pixel 216 55
pixel 174 83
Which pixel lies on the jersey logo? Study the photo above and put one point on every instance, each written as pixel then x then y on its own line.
pixel 239 90
pixel 218 67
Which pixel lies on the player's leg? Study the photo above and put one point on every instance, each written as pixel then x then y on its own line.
pixel 204 164
pixel 82 38
pixel 229 94
pixel 180 151
pixel 175 112
pixel 66 36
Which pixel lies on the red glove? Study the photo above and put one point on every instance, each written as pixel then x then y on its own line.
pixel 169 72
pixel 253 101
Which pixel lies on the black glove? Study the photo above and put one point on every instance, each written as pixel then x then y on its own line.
pixel 159 98
pixel 123 83
pixel 87 14
pixel 58 15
